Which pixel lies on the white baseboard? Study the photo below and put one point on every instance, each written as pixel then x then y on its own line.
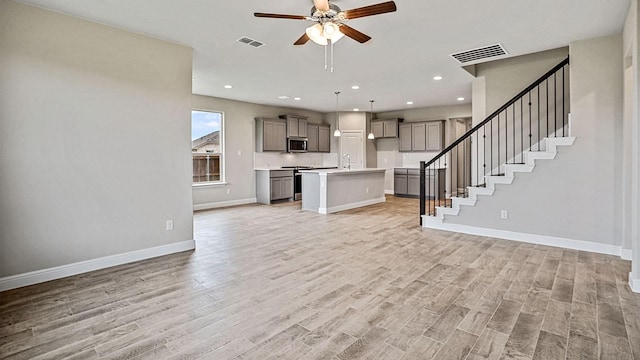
pixel 634 283
pixel 58 272
pixel 351 205
pixel 389 192
pixel 531 238
pixel 220 204
pixel 626 254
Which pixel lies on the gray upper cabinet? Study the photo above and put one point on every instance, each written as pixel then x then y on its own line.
pixel 385 128
pixel 312 143
pixel 434 136
pixel 324 140
pixel 405 137
pixel 271 135
pixel 296 125
pixel 421 136
pixel 318 138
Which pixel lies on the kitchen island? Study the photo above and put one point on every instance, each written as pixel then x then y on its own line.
pixel 329 191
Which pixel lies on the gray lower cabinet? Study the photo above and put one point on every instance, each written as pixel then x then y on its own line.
pixel 421 136
pixel 406 182
pixel 272 185
pixel 271 135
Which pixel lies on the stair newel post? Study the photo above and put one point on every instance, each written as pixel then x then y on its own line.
pixel 422 194
pixel 555 106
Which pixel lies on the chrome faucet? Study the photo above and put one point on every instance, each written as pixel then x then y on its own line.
pixel 348 161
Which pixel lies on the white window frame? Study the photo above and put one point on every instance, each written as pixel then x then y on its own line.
pixel 223 151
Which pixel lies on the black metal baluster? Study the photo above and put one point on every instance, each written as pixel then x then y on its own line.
pixel 563 112
pixel 464 168
pixel 530 135
pixel 547 95
pixel 538 115
pixel 521 131
pixel 555 106
pixel 484 157
pixel 513 118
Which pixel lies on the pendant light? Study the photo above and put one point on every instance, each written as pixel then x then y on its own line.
pixel 371 136
pixel 337 133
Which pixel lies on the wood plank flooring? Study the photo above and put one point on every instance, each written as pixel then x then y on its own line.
pixel 274 282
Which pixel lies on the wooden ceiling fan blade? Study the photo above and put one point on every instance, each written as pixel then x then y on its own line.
pixel 280 16
pixel 321 5
pixel 354 34
pixel 370 10
pixel 302 40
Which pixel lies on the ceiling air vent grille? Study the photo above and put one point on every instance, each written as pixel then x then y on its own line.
pixel 250 42
pixel 479 54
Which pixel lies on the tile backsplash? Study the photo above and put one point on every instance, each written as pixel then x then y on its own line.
pixel 275 160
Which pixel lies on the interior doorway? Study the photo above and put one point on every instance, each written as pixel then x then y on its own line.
pixel 461 171
pixel 351 149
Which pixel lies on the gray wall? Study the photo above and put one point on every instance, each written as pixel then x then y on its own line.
pixel 572 196
pixel 94 131
pixel 239 127
pixel 631 141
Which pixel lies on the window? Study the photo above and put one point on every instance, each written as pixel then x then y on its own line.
pixel 206 146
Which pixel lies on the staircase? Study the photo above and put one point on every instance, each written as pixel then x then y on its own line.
pixel 527 128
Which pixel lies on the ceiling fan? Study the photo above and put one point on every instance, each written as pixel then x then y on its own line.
pixel 329 19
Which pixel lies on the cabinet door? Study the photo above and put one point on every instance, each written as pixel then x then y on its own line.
pixel 413 185
pixel 280 136
pixel 405 137
pixel 377 128
pixel 419 137
pixel 390 129
pixel 434 136
pixel 287 188
pixel 324 140
pixel 292 126
pixel 268 136
pixel 276 188
pixel 302 127
pixel 400 184
pixel 312 135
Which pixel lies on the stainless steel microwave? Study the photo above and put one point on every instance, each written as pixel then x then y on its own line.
pixel 296 145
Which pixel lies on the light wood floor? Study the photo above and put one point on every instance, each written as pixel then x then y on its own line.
pixel 271 282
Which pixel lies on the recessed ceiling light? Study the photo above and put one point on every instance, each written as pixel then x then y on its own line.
pixel 296 99
pixel 356 109
pixel 355 87
pixel 409 102
pixel 283 97
pixel 437 77
pixel 460 99
pixel 228 86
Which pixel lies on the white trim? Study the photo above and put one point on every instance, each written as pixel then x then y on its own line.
pixel 529 238
pixel 634 283
pixel 58 272
pixel 220 204
pixel 351 205
pixel 388 192
pixel 209 184
pixel 626 254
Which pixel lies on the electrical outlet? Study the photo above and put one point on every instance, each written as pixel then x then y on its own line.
pixel 367 190
pixel 228 191
pixel 169 225
pixel 504 214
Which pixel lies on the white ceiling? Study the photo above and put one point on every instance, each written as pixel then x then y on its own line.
pixel 407 49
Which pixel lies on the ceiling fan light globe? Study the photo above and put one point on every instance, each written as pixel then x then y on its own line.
pixel 315 33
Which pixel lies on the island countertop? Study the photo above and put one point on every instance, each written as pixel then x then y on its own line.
pixel 343 171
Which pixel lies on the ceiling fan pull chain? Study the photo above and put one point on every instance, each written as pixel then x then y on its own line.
pixel 331 54
pixel 325 58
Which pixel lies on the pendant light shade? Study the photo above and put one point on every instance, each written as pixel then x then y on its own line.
pixel 337 132
pixel 371 136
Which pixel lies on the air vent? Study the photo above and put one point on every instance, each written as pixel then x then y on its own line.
pixel 250 41
pixel 479 54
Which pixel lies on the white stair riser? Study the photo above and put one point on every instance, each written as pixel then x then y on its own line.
pixel 549 144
